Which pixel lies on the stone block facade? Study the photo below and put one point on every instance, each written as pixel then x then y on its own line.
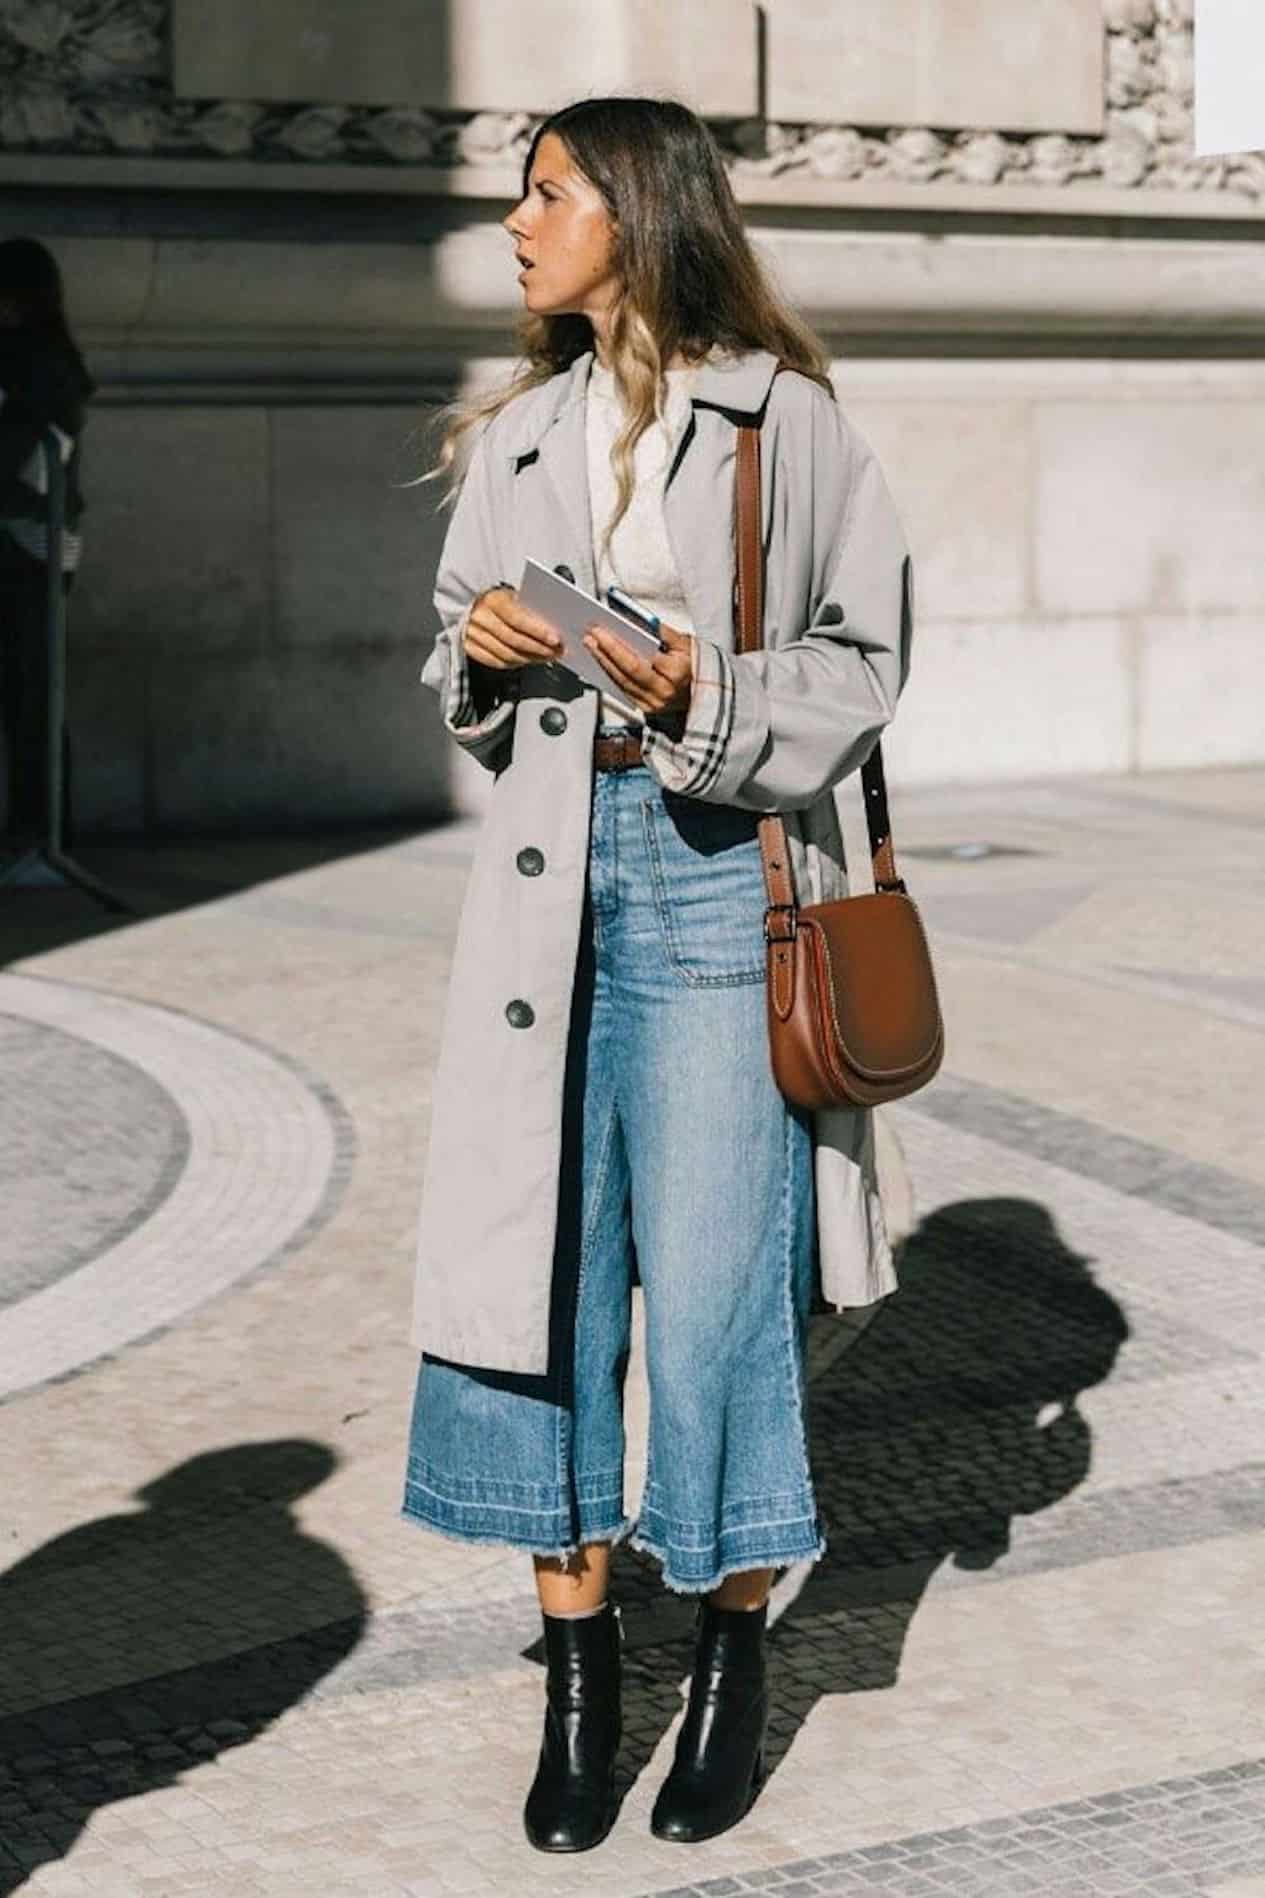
pixel 988 94
pixel 1042 308
pixel 486 55
pixel 1036 67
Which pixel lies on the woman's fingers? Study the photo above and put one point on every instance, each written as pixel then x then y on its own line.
pixel 532 626
pixel 618 657
pixel 488 649
pixel 523 619
pixel 615 652
pixel 500 632
pixel 659 683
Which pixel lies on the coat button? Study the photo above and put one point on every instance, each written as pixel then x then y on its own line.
pixel 553 720
pixel 519 1014
pixel 530 861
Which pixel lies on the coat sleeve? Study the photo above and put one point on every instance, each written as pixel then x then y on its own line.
pixel 477 702
pixel 778 728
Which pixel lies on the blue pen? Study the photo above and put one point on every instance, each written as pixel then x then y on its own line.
pixel 617 598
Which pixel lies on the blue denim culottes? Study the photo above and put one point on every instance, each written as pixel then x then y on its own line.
pixel 678 1151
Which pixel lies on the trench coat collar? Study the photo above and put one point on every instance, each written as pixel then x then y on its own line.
pixel 739 383
pixel 553 427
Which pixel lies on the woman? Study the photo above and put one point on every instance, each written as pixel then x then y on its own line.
pixel 603 1092
pixel 43 388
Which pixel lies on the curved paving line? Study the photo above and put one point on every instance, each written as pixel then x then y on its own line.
pixel 1097 1152
pixel 173 1140
pixel 270 1151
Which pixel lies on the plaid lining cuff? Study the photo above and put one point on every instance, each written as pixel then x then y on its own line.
pixel 458 693
pixel 692 763
pixel 460 713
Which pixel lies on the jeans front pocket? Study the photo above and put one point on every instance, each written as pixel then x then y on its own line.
pixel 708 883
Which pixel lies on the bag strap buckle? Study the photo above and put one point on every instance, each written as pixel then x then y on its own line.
pixel 784 931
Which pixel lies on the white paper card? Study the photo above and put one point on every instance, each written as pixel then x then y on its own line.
pixel 570 610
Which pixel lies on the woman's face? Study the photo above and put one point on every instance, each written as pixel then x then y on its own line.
pixel 563 227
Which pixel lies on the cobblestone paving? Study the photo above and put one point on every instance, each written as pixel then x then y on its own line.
pixel 254 1163
pixel 1030 1659
pixel 67 1199
pixel 1177 1838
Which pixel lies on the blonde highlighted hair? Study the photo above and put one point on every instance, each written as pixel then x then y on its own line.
pixel 690 281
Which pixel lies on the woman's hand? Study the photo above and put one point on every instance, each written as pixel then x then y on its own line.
pixel 500 633
pixel 658 684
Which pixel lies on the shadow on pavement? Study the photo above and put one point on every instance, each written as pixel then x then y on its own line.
pixel 212 1562
pixel 953 1413
pixel 160 877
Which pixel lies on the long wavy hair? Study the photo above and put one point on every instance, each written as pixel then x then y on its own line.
pixel 689 279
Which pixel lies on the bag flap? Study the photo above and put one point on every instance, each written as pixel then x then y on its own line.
pixel 887 1014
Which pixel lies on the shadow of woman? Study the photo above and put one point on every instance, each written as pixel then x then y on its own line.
pixel 953 1412
pixel 137 1648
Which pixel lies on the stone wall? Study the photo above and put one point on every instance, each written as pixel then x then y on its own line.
pixel 253 612
pixel 1090 590
pixel 972 99
pixel 1090 569
pixel 1048 318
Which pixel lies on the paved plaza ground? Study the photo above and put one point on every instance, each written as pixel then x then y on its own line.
pixel 1031 1659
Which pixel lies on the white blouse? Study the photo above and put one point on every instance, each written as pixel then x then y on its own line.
pixel 640 559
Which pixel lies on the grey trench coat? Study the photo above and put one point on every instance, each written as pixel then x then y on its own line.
pixel 771 730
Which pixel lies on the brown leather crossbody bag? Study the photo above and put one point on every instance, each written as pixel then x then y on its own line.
pixel 854 1018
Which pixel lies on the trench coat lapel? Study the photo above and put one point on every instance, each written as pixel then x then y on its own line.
pixel 558 439
pixel 699 486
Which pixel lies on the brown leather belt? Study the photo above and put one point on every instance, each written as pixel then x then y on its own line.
pixel 617 751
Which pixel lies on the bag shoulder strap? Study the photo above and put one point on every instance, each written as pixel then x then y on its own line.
pixel 749 625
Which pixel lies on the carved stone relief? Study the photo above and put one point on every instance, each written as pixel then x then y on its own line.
pixel 90 76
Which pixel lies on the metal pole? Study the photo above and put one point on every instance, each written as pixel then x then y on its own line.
pixel 56 627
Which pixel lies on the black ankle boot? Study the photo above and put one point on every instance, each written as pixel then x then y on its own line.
pixel 719 1763
pixel 571 1804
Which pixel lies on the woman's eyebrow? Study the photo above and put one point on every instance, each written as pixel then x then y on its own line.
pixel 548 181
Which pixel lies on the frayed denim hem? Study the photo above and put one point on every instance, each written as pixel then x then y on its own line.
pixel 559 1551
pixel 693 1586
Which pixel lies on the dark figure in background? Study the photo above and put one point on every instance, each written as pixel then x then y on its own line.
pixel 43 384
